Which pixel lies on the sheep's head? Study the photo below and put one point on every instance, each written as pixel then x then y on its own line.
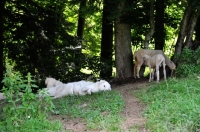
pixel 145 59
pixel 173 66
pixel 104 85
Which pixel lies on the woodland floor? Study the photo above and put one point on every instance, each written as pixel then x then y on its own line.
pixel 132 112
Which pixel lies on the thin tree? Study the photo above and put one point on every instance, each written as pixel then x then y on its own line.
pixel 183 29
pixel 81 19
pixel 80 30
pixel 2 68
pixel 106 42
pixel 192 25
pixel 149 35
pixel 159 34
pixel 196 42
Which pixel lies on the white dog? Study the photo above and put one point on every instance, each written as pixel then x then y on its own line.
pixel 51 82
pixel 101 85
pixel 73 88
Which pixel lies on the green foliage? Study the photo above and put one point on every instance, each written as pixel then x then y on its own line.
pixel 173 105
pixel 188 62
pixel 100 110
pixel 23 110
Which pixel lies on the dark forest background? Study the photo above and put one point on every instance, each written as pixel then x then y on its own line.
pixel 63 39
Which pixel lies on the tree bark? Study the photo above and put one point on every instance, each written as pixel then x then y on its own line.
pixel 81 19
pixel 197 30
pixel 106 42
pixel 123 52
pixel 196 42
pixel 2 67
pixel 192 25
pixel 80 30
pixel 183 29
pixel 159 34
pixel 152 25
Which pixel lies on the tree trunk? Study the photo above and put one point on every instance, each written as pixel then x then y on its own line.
pixel 196 42
pixel 80 30
pixel 81 19
pixel 197 30
pixel 183 29
pixel 193 21
pixel 123 52
pixel 152 24
pixel 106 42
pixel 159 34
pixel 2 67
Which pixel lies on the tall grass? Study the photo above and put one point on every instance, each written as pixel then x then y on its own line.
pixel 29 113
pixel 173 106
pixel 26 112
pixel 100 110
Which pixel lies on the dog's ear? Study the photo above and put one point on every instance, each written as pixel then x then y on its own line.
pixel 46 80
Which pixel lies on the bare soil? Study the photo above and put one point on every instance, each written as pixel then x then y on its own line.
pixel 132 111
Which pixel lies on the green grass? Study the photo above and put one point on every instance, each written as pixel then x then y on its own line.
pixel 173 106
pixel 100 110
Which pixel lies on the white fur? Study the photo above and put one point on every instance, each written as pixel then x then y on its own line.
pixel 155 62
pixel 101 85
pixel 48 91
pixel 76 88
pixel 79 87
pixel 139 55
pixel 51 82
pixel 64 90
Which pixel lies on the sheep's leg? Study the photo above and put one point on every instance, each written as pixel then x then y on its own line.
pixel 134 69
pixel 164 71
pixel 150 74
pixel 153 72
pixel 138 70
pixel 157 73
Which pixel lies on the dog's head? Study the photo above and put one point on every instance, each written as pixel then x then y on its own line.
pixel 50 82
pixel 104 85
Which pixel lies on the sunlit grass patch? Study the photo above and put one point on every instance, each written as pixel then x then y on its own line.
pixel 173 105
pixel 100 110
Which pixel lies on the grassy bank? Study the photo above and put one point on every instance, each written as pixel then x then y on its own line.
pixel 99 110
pixel 173 106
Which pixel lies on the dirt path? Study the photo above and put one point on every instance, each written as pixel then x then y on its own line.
pixel 132 112
pixel 133 107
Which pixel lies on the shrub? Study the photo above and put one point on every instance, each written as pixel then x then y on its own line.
pixel 188 62
pixel 21 109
